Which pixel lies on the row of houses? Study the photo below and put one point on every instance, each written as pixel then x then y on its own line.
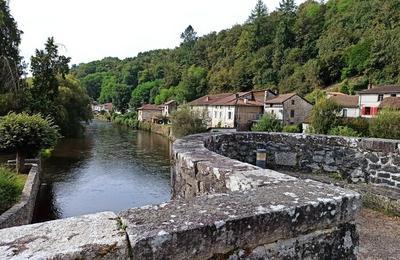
pixel 240 110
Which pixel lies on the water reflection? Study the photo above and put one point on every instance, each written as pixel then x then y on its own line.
pixel 111 168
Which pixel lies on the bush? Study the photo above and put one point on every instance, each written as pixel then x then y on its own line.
pixel 10 189
pixel 128 119
pixel 325 116
pixel 386 125
pixel 268 123
pixel 292 129
pixel 26 135
pixel 186 122
pixel 360 125
pixel 343 131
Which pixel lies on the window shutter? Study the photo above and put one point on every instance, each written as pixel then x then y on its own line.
pixel 363 111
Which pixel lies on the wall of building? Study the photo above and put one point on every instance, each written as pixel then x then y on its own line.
pixel 302 110
pixel 147 115
pixel 351 112
pixel 276 110
pixel 22 212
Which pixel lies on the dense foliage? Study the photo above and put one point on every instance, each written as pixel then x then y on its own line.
pixel 186 122
pixel 386 124
pixel 26 135
pixel 292 128
pixel 11 186
pixel 325 116
pixel 294 48
pixel 343 131
pixel 268 123
pixel 128 119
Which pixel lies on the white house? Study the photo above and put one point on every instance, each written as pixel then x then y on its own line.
pixel 371 98
pixel 231 110
pixel 350 104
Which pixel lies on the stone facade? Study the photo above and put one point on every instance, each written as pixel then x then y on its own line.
pixel 22 212
pixel 356 159
pixel 222 208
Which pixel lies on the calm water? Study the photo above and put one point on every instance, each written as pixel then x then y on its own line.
pixel 110 169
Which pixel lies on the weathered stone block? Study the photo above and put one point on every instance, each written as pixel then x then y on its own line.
pixel 285 158
pixel 97 236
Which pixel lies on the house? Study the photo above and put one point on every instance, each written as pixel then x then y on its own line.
pixel 98 108
pixel 290 108
pixel 149 113
pixel 232 110
pixel 168 108
pixel 350 104
pixel 371 98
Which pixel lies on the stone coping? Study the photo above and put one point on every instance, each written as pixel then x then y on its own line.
pixel 22 212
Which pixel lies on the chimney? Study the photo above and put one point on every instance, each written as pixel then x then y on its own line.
pixel 245 100
pixel 207 98
pixel 237 95
pixel 370 86
pixel 276 91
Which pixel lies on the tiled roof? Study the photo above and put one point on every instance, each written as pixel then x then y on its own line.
pixel 390 102
pixel 170 102
pixel 388 89
pixel 150 107
pixel 280 99
pixel 231 99
pixel 345 100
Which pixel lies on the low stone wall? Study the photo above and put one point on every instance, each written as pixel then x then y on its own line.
pixel 221 209
pixel 164 130
pixel 22 213
pixel 356 159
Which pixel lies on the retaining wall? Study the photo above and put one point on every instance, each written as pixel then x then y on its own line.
pixel 356 159
pixel 22 212
pixel 221 209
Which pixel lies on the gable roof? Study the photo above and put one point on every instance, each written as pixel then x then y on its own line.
pixel 231 99
pixel 345 100
pixel 169 102
pixel 150 107
pixel 387 89
pixel 390 102
pixel 280 99
pixel 208 99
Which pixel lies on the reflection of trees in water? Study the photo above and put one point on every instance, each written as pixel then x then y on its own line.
pixel 45 208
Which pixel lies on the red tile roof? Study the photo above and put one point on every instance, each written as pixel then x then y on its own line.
pixel 280 99
pixel 231 99
pixel 345 100
pixel 388 89
pixel 390 102
pixel 150 107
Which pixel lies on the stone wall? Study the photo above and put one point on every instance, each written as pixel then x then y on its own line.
pixel 164 130
pixel 22 212
pixel 243 212
pixel 356 159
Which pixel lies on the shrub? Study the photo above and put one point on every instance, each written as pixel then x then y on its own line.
pixel 386 125
pixel 343 131
pixel 268 123
pixel 325 116
pixel 128 119
pixel 360 125
pixel 186 122
pixel 26 135
pixel 10 189
pixel 292 129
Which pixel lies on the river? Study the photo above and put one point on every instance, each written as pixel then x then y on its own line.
pixel 109 169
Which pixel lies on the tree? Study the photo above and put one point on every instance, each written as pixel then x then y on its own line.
pixel 268 123
pixel 325 116
pixel 386 124
pixel 189 36
pixel 122 97
pixel 186 122
pixel 141 94
pixel 260 10
pixel 27 135
pixel 46 66
pixel 343 131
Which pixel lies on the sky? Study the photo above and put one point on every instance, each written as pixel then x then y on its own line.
pixel 88 30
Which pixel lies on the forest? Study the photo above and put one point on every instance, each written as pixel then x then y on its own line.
pixel 291 49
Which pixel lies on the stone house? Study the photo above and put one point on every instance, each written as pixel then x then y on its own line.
pixel 232 110
pixel 350 104
pixel 149 113
pixel 97 108
pixel 371 98
pixel 168 108
pixel 290 108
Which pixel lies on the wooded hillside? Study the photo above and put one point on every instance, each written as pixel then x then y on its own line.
pixel 293 48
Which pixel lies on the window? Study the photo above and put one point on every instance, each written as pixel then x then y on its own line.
pixel 229 115
pixel 380 97
pixel 291 113
pixel 220 114
pixel 293 102
pixel 367 111
pixel 344 112
pixel 393 95
pixel 215 114
pixel 271 105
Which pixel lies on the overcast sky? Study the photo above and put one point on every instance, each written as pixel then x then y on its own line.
pixel 93 29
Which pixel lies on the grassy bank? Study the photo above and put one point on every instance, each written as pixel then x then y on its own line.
pixel 11 186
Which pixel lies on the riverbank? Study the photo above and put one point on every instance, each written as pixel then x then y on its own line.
pixel 164 130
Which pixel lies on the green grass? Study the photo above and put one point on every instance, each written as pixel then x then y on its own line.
pixel 11 186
